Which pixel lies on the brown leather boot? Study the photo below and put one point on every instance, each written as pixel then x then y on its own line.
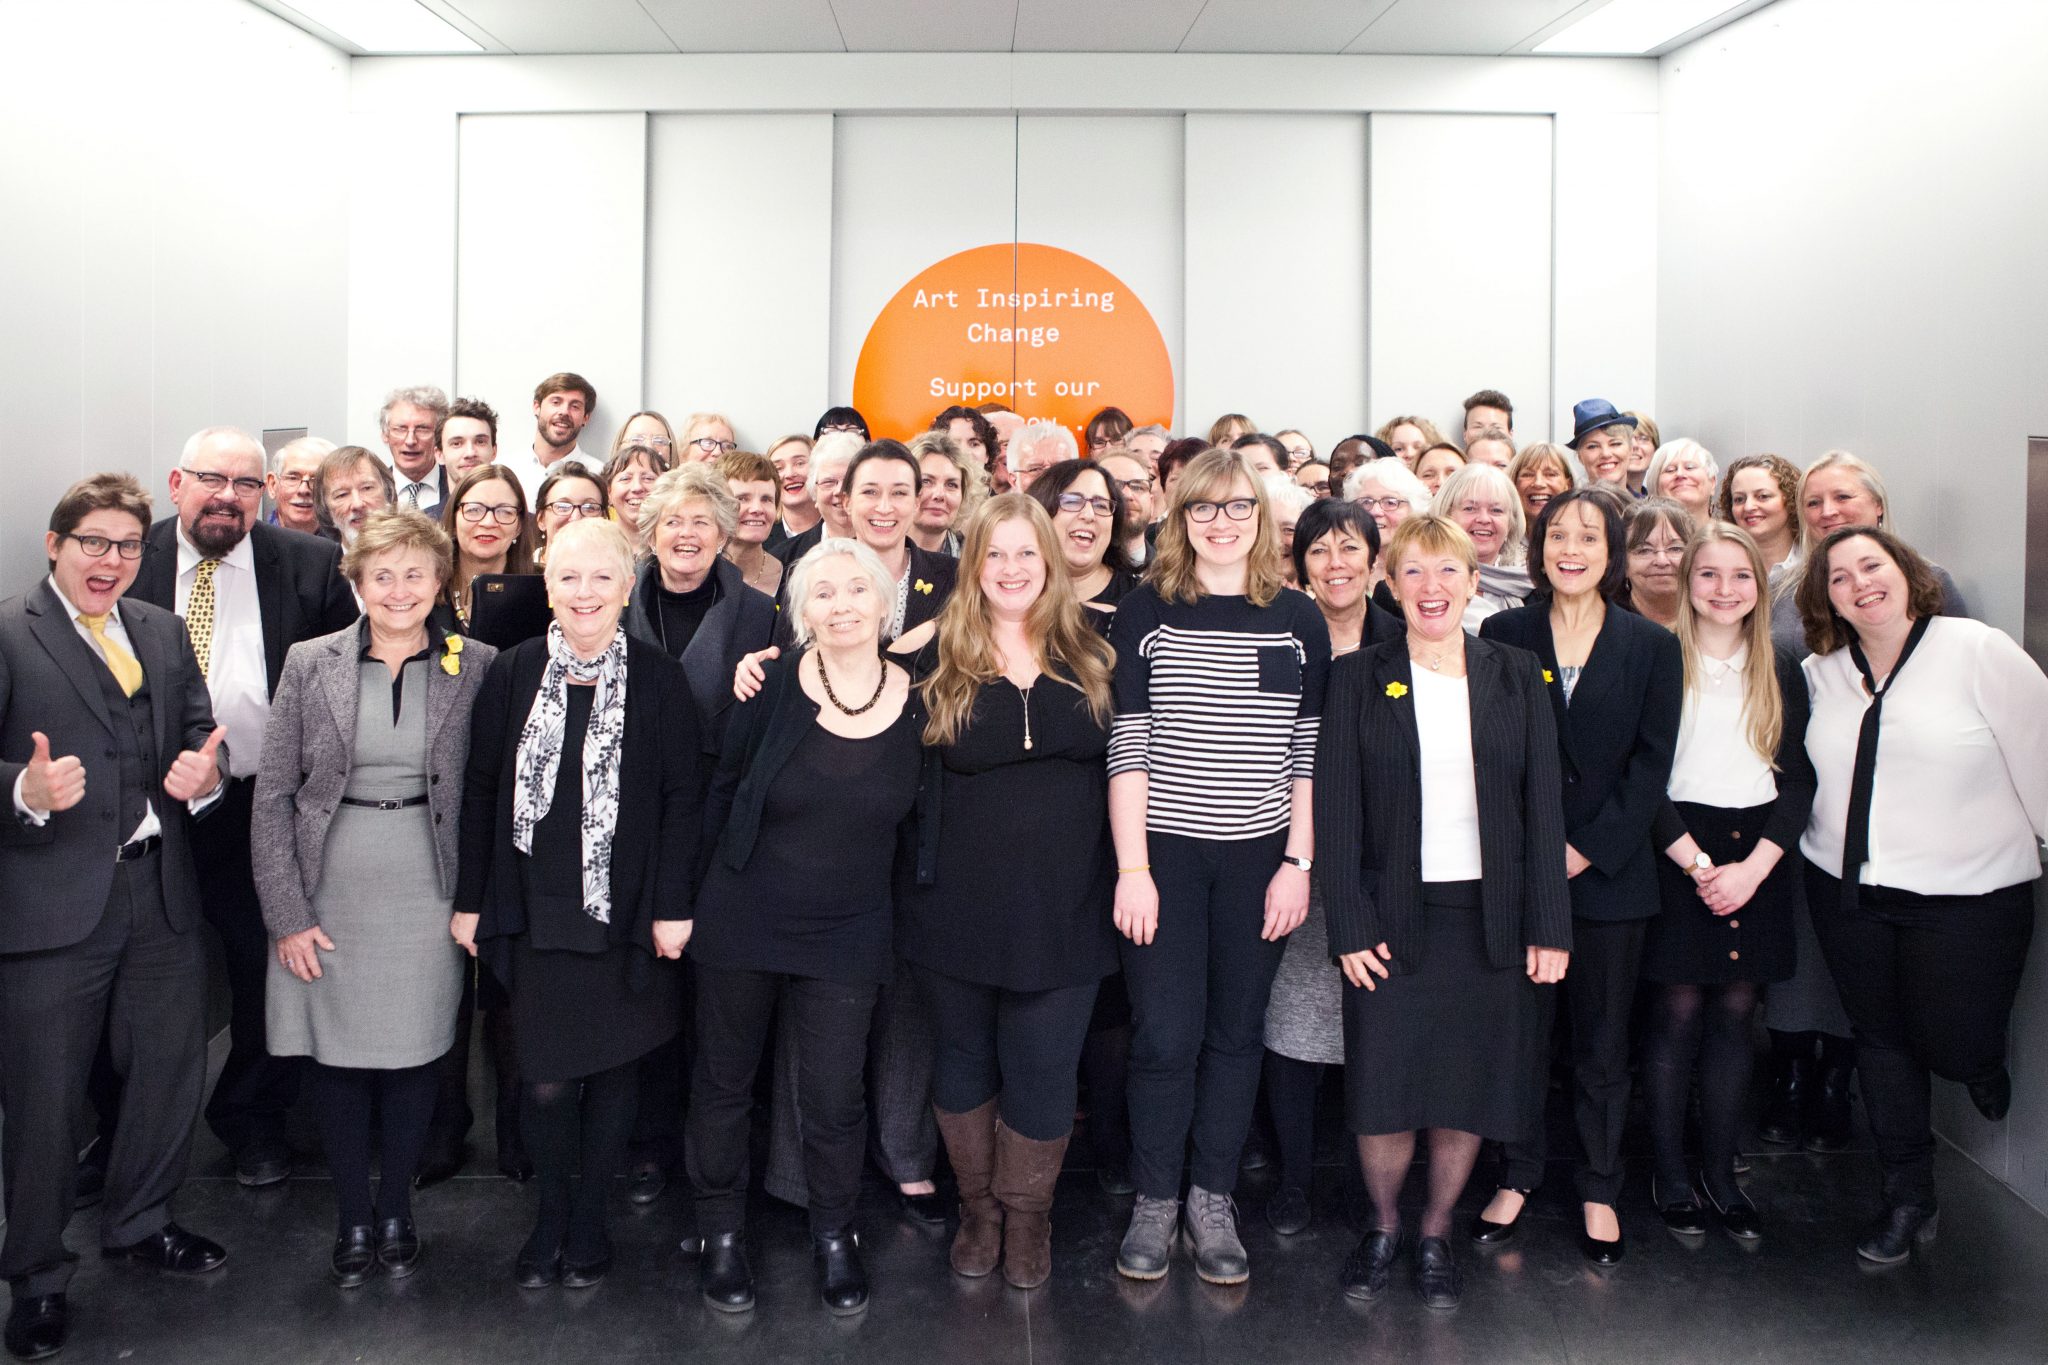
pixel 971 1148
pixel 1026 1171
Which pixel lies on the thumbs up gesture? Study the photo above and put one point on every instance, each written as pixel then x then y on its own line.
pixel 51 784
pixel 193 773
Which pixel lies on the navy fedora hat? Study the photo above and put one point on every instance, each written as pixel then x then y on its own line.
pixel 1593 414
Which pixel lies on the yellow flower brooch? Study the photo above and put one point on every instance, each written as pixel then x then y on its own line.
pixel 1397 690
pixel 451 656
pixel 922 586
pixel 1547 676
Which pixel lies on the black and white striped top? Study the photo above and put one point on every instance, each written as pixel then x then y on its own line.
pixel 1218 702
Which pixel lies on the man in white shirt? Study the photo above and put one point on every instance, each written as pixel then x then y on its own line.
pixel 562 405
pixel 409 420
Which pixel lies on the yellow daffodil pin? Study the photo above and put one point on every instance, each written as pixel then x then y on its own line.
pixel 451 657
pixel 1397 690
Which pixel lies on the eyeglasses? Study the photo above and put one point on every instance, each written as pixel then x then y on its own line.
pixel 425 433
pixel 656 442
pixel 1384 504
pixel 566 508
pixel 1237 509
pixel 504 513
pixel 295 479
pixel 1133 487
pixel 711 445
pixel 95 546
pixel 1074 502
pixel 1648 551
pixel 1321 488
pixel 245 487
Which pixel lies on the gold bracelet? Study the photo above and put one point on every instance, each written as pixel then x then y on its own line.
pixel 1125 871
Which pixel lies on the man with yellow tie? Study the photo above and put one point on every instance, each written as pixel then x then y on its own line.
pixel 107 749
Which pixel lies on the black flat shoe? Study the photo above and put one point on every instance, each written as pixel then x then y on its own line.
pixel 646 1183
pixel 587 1273
pixel 173 1249
pixel 355 1257
pixel 927 1209
pixel 258 1167
pixel 842 1279
pixel 1739 1218
pixel 1288 1210
pixel 537 1271
pixel 398 1247
pixel 1370 1265
pixel 1993 1097
pixel 724 1276
pixel 1683 1219
pixel 1488 1233
pixel 37 1326
pixel 1891 1239
pixel 1438 1281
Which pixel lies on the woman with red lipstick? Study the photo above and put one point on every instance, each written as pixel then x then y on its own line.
pixel 486 518
pixel 1086 507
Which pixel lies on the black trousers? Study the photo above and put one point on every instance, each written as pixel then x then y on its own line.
pixel 1023 1047
pixel 144 985
pixel 1928 982
pixel 1600 990
pixel 735 1016
pixel 1198 1009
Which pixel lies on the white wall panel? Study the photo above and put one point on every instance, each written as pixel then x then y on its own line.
pixel 401 250
pixel 739 269
pixel 1606 267
pixel 552 222
pixel 1276 272
pixel 1461 263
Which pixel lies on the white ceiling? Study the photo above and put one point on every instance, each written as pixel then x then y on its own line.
pixel 1477 28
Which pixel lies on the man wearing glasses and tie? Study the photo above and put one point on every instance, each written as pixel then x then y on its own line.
pixel 411 424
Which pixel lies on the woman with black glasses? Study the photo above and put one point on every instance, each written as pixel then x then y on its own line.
pixel 1086 508
pixel 486 518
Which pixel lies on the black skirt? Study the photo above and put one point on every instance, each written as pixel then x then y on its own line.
pixel 576 1014
pixel 1689 945
pixel 1450 1042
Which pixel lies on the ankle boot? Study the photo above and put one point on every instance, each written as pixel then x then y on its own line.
pixel 1026 1171
pixel 1791 1079
pixel 1827 1109
pixel 971 1148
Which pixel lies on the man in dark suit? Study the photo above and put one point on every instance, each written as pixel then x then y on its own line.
pixel 248 593
pixel 410 421
pixel 107 744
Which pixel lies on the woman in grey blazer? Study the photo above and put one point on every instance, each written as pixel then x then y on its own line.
pixel 354 844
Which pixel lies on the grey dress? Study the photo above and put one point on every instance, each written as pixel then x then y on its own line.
pixel 1305 1013
pixel 387 994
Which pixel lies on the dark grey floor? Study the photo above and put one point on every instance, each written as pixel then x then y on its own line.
pixel 1982 1295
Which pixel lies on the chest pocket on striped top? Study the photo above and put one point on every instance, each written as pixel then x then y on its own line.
pixel 1280 670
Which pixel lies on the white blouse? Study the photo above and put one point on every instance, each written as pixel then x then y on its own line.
pixel 1450 790
pixel 1960 800
pixel 1715 764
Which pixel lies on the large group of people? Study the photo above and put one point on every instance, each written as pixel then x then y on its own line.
pixel 978 779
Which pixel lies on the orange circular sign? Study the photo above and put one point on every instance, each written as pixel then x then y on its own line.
pixel 1043 331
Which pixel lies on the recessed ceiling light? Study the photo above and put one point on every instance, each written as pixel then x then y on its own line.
pixel 1634 27
pixel 386 25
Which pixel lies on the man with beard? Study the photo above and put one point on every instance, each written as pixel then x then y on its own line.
pixel 352 483
pixel 409 421
pixel 248 593
pixel 1132 475
pixel 562 405
pixel 293 471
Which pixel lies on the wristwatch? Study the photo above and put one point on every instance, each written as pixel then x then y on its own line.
pixel 1303 863
pixel 1700 863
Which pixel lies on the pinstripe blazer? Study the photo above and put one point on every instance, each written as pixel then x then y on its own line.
pixel 1368 795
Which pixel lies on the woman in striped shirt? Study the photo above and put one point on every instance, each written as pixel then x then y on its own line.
pixel 1218 690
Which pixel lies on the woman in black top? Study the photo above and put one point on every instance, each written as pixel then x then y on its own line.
pixel 1086 508
pixel 580 814
pixel 1012 934
pixel 820 769
pixel 1615 683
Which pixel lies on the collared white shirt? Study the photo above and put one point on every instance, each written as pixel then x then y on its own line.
pixel 531 473
pixel 1715 764
pixel 426 494
pixel 236 679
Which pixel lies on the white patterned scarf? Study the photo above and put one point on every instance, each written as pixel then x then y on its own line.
pixel 540 759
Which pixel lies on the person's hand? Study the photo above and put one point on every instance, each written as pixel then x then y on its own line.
pixel 1575 862
pixel 1547 965
pixel 1728 888
pixel 196 772
pixel 296 952
pixel 1362 966
pixel 51 784
pixel 749 675
pixel 1286 902
pixel 462 928
pixel 1137 907
pixel 671 936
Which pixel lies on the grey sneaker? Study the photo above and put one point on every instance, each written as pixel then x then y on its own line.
pixel 1149 1240
pixel 1212 1231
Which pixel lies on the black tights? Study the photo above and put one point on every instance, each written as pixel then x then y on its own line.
pixel 345 1100
pixel 1291 1102
pixel 1386 1157
pixel 560 1120
pixel 1710 1024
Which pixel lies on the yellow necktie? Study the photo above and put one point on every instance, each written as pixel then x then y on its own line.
pixel 127 670
pixel 199 614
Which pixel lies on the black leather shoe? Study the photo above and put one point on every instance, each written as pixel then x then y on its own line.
pixel 1491 1234
pixel 355 1257
pixel 258 1166
pixel 842 1279
pixel 1438 1281
pixel 1370 1265
pixel 724 1275
pixel 37 1326
pixel 1739 1218
pixel 174 1249
pixel 1993 1097
pixel 646 1182
pixel 1288 1210
pixel 1682 1219
pixel 587 1273
pixel 1891 1239
pixel 927 1209
pixel 398 1247
pixel 535 1270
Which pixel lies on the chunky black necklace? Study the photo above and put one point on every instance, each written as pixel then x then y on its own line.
pixel 833 697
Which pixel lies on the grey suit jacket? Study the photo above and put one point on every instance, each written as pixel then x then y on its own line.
pixel 309 749
pixel 55 878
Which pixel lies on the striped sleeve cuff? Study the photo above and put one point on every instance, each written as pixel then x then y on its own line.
pixel 1303 746
pixel 1129 737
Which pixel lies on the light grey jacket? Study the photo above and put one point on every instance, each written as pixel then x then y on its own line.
pixel 309 749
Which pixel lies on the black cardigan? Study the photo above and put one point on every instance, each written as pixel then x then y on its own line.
pixel 1616 739
pixel 1795 777
pixel 741 621
pixel 1368 805
pixel 661 786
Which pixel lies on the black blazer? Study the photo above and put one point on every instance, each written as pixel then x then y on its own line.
pixel 507 609
pixel 791 548
pixel 1368 805
pixel 661 787
pixel 741 621
pixel 1616 739
pixel 1795 777
pixel 932 576
pixel 300 592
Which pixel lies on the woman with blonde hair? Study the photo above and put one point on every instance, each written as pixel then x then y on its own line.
pixel 1229 427
pixel 949 487
pixel 1687 473
pixel 1539 473
pixel 706 436
pixel 646 428
pixel 1642 445
pixel 1483 502
pixel 1409 436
